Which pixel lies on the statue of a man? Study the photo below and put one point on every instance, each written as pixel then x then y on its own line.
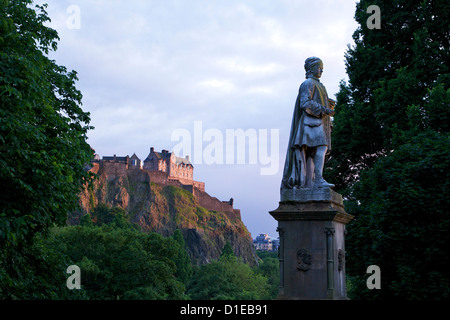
pixel 310 136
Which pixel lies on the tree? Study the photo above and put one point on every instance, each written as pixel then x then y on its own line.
pixel 269 267
pixel 402 222
pixel 42 137
pixel 104 214
pixel 391 154
pixel 182 260
pixel 227 250
pixel 389 70
pixel 86 221
pixel 227 279
pixel 118 263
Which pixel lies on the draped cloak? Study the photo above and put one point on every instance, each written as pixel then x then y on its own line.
pixel 310 127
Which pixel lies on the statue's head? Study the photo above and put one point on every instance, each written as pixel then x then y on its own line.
pixel 313 67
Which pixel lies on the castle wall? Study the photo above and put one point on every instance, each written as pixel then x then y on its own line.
pixel 181 171
pixel 113 167
pixel 161 178
pixel 157 176
pixel 197 184
pixel 211 203
pixel 134 167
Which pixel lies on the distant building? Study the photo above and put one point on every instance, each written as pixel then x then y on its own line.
pixel 135 161
pixel 264 243
pixel 165 161
pixel 275 244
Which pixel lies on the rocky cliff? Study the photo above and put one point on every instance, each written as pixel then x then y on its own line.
pixel 163 208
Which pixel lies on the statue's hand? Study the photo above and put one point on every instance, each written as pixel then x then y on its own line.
pixel 329 112
pixel 331 103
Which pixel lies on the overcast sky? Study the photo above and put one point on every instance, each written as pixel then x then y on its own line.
pixel 151 71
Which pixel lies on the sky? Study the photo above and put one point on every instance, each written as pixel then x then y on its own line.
pixel 213 79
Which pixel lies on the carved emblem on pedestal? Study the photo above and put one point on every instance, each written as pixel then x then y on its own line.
pixel 303 260
pixel 341 259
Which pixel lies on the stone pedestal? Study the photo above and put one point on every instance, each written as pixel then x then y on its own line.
pixel 311 225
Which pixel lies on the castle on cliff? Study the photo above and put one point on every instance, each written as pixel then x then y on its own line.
pixel 167 169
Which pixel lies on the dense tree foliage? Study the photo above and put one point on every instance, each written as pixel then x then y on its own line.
pixel 227 250
pixel 182 260
pixel 227 279
pixel 269 267
pixel 43 149
pixel 389 70
pixel 391 158
pixel 120 263
pixel 403 221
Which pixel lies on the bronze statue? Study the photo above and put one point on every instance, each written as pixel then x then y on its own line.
pixel 310 136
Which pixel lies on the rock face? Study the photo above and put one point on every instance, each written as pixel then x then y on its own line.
pixel 163 208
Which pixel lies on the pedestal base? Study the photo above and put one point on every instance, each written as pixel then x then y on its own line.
pixel 311 225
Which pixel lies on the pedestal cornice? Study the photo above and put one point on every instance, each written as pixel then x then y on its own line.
pixel 311 204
